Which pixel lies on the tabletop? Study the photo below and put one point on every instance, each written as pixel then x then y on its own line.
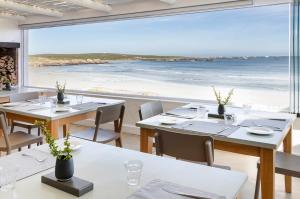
pixel 239 136
pixel 47 111
pixel 104 166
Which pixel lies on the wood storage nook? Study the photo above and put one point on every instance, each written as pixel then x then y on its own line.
pixel 9 63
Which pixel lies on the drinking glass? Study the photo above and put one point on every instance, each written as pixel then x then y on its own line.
pixel 79 99
pixel 201 112
pixel 134 171
pixel 8 178
pixel 229 118
pixel 42 99
pixel 246 108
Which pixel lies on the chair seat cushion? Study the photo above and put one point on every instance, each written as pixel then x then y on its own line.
pixel 20 139
pixel 24 124
pixel 104 135
pixel 287 164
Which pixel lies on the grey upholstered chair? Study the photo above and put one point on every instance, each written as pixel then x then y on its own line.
pixel 150 109
pixel 105 114
pixel 15 140
pixel 24 97
pixel 194 148
pixel 285 164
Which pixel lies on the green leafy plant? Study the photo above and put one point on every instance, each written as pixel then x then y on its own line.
pixel 61 154
pixel 60 87
pixel 219 97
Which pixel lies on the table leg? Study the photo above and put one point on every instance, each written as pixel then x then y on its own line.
pixel 287 148
pixel 267 166
pixel 146 142
pixel 53 127
pixel 65 129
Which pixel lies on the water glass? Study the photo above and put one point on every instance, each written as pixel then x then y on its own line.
pixel 246 108
pixel 42 99
pixel 134 171
pixel 229 118
pixel 201 112
pixel 79 99
pixel 8 178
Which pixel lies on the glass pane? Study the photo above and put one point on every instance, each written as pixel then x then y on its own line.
pixel 178 56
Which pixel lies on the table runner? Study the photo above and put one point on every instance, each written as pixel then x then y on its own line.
pixel 158 189
pixel 27 166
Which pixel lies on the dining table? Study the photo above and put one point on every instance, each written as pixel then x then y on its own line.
pixel 236 139
pixel 56 115
pixel 104 166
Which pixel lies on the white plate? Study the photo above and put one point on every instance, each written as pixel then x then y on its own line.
pixel 62 109
pixel 260 130
pixel 12 104
pixel 168 121
pixel 74 145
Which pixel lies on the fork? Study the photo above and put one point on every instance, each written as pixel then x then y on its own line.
pixel 35 158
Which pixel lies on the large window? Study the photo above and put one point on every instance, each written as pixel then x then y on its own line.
pixel 178 56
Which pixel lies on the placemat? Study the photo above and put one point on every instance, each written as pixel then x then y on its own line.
pixel 188 113
pixel 87 105
pixel 274 124
pixel 168 190
pixel 207 127
pixel 29 165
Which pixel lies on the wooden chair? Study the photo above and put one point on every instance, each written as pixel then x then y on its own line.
pixel 150 109
pixel 104 115
pixel 285 164
pixel 15 140
pixel 25 125
pixel 194 148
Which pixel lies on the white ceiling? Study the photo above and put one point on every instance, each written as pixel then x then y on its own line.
pixel 45 11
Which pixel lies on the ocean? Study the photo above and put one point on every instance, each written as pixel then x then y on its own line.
pixel 262 73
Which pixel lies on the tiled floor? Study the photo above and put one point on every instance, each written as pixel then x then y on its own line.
pixel 237 162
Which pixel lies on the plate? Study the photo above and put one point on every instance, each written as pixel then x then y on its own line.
pixel 62 109
pixel 168 121
pixel 12 104
pixel 74 145
pixel 260 130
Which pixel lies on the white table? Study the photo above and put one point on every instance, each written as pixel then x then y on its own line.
pixel 25 112
pixel 239 141
pixel 104 166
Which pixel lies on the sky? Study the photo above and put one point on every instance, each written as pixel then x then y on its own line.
pixel 259 31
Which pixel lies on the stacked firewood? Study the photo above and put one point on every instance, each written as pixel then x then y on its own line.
pixel 8 71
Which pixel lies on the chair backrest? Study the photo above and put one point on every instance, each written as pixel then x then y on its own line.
pixel 188 147
pixel 150 109
pixel 4 128
pixel 24 96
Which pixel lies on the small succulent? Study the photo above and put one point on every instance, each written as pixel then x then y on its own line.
pixel 61 154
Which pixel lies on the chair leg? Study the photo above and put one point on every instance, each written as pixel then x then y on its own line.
pixel 12 128
pixel 257 185
pixel 19 149
pixel 119 142
pixel 29 132
pixel 39 131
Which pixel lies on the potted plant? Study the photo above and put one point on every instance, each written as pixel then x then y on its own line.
pixel 60 92
pixel 222 101
pixel 64 167
pixel 6 81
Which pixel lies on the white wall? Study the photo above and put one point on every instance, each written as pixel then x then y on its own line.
pixel 9 31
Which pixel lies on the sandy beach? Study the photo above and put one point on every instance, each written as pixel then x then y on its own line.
pixel 270 100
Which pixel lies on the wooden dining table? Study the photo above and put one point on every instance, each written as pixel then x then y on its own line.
pixel 240 141
pixel 57 115
pixel 104 166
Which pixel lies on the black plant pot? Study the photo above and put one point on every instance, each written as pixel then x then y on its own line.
pixel 221 109
pixel 60 97
pixel 64 169
pixel 7 86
